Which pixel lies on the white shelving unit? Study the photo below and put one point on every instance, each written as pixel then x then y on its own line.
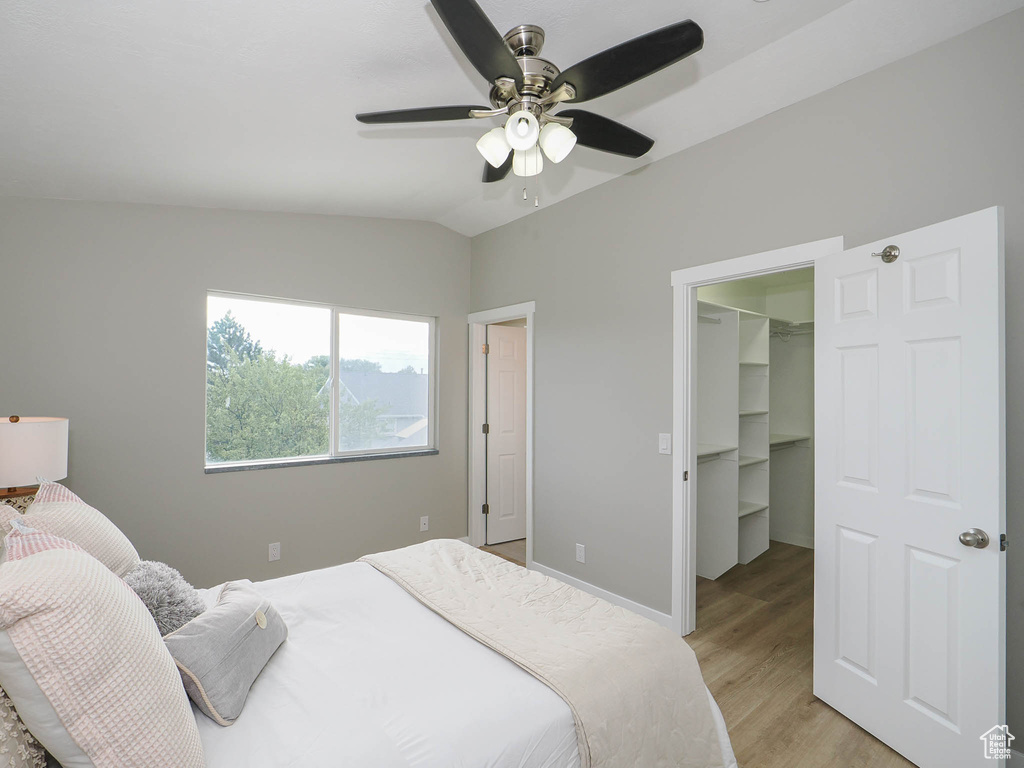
pixel 755 418
pixel 733 438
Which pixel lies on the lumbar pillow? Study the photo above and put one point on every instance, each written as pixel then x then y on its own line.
pixel 172 600
pixel 83 662
pixel 58 511
pixel 18 747
pixel 222 652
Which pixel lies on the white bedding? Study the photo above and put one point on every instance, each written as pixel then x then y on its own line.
pixel 369 678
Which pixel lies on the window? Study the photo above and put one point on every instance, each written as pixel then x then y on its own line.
pixel 271 398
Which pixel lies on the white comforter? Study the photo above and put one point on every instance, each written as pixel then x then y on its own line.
pixel 369 678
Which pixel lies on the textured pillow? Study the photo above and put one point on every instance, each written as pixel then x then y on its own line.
pixel 172 600
pixel 83 662
pixel 222 652
pixel 58 511
pixel 18 747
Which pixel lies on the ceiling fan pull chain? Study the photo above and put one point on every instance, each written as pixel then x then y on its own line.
pixel 536 202
pixel 524 193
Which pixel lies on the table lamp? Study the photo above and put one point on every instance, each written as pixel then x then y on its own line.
pixel 31 447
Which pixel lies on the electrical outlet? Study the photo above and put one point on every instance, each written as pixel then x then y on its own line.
pixel 275 551
pixel 425 523
pixel 581 553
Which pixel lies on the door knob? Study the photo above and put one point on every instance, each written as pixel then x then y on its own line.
pixel 889 254
pixel 974 538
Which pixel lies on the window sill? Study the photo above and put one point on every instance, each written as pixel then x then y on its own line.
pixel 217 469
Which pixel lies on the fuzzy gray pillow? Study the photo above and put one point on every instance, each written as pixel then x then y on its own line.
pixel 172 600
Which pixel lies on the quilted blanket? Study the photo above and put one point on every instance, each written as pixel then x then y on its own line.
pixel 634 688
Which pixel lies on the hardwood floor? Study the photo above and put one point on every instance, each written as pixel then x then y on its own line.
pixel 754 641
pixel 514 551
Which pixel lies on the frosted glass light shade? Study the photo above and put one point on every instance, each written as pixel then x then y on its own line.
pixel 34 447
pixel 527 162
pixel 522 130
pixel 494 147
pixel 557 142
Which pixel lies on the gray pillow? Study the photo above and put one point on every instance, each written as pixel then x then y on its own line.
pixel 221 652
pixel 172 600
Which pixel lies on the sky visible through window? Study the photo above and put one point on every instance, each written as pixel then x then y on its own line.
pixel 302 332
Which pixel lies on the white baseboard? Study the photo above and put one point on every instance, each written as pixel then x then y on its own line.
pixel 1015 755
pixel 464 539
pixel 648 613
pixel 796 539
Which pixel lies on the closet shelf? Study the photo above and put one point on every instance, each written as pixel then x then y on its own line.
pixel 752 413
pixel 777 441
pixel 747 461
pixel 705 450
pixel 750 507
pixel 752 364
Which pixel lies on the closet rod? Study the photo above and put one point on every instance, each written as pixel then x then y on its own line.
pixel 707 319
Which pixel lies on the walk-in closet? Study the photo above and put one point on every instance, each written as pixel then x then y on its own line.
pixel 755 418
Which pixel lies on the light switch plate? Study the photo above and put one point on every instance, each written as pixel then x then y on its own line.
pixel 664 443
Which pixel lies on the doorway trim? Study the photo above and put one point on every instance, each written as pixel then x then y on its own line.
pixel 684 459
pixel 478 322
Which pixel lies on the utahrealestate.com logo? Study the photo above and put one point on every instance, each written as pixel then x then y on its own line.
pixel 997 742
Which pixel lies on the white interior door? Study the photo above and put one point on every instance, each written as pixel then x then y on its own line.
pixel 909 622
pixel 506 439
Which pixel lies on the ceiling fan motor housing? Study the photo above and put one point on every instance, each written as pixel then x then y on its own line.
pixel 525 42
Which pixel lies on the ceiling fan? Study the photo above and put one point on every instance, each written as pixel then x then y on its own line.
pixel 526 88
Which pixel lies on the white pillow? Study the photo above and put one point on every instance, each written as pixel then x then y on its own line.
pixel 82 660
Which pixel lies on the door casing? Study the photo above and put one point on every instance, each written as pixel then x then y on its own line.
pixel 685 283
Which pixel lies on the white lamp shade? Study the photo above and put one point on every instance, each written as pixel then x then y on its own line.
pixel 527 162
pixel 522 130
pixel 494 147
pixel 557 141
pixel 34 447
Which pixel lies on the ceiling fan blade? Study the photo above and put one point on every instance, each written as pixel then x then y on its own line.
pixel 631 61
pixel 492 174
pixel 419 115
pixel 479 40
pixel 606 135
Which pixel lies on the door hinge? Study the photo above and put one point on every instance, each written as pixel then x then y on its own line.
pixel 486 349
pixel 487 429
pixel 686 475
pixel 486 509
pixel 1004 543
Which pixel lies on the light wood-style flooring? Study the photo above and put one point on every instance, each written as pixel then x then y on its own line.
pixel 514 551
pixel 754 641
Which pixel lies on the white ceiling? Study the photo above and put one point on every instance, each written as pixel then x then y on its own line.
pixel 249 104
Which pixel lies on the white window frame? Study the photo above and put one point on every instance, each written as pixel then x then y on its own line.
pixel 334 455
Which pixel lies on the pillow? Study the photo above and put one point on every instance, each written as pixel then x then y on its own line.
pixel 222 652
pixel 58 511
pixel 172 600
pixel 18 747
pixel 83 662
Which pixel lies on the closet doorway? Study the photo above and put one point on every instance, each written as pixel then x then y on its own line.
pixel 501 430
pixel 754 418
pixel 909 563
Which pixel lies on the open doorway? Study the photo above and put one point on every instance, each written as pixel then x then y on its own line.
pixel 501 428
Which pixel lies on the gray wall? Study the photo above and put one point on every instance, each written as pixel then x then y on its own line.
pixel 928 138
pixel 104 320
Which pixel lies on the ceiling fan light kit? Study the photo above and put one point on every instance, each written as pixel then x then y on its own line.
pixel 525 88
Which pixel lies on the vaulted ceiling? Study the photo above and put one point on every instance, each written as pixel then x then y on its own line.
pixel 249 104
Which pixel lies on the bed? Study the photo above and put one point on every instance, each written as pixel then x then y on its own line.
pixel 370 677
